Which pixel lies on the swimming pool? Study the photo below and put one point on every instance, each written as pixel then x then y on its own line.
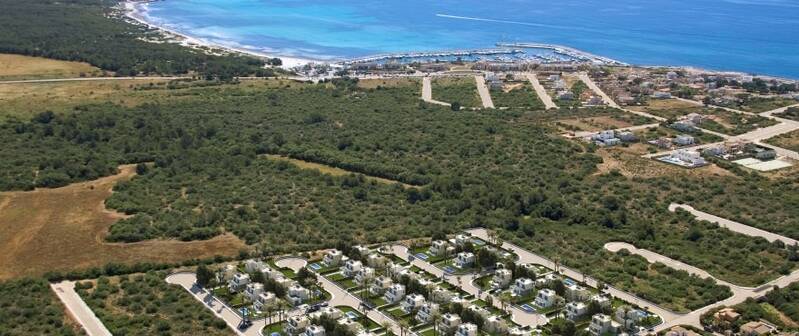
pixel 422 256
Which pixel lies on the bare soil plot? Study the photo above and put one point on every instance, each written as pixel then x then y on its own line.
pixel 388 83
pixel 63 229
pixel 596 123
pixel 18 67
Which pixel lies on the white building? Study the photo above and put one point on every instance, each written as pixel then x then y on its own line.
pixel 349 324
pixel 438 248
pixel 461 239
pixel 575 292
pixel 296 324
pixel 441 295
pixel 547 279
pixel 466 329
pixel 351 267
pixel 364 275
pixel 502 278
pixel 252 290
pixel 238 282
pixel 602 300
pixel 411 302
pixel 602 324
pixel 449 322
pixel 227 273
pixel 522 286
pixel 464 260
pixel 518 331
pixel 395 293
pixel 252 265
pixel 329 312
pixel 375 260
pixel 314 330
pixel 333 258
pixel 575 310
pixel 297 294
pixel 270 273
pixel 264 300
pixel 689 157
pixel 361 251
pixel 495 325
pixel 426 312
pixel 661 95
pixel 547 298
pixel 380 285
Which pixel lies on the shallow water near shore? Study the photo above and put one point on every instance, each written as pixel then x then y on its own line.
pixel 758 36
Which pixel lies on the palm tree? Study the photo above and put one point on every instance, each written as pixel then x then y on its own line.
pixel 436 318
pixel 404 326
pixel 504 299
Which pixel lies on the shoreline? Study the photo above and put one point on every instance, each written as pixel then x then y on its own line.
pixel 136 10
pixel 133 10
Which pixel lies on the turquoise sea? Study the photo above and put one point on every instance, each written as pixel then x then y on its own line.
pixel 756 36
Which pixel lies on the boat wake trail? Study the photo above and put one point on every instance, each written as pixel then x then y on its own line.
pixel 531 24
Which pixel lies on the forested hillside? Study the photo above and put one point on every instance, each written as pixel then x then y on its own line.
pixel 85 30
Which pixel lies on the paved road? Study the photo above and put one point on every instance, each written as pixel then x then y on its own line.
pixel 188 280
pixel 591 85
pixel 427 92
pixel 482 89
pixel 540 91
pixel 779 110
pixel 78 309
pixel 466 282
pixel 341 297
pixel 529 257
pixel 732 225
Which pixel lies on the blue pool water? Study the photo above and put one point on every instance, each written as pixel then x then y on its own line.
pixel 758 36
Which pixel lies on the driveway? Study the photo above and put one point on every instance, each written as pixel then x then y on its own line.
pixel 540 91
pixel 78 309
pixel 482 89
pixel 427 92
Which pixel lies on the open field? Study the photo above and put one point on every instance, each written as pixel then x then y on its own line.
pixel 462 90
pixel 28 99
pixel 595 123
pixel 18 67
pixel 758 105
pixel 672 107
pixel 519 94
pixel 325 169
pixel 64 228
pixel 787 141
pixel 389 83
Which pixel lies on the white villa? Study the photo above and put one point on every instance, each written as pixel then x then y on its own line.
pixel 575 310
pixel 314 330
pixel 364 275
pixel 395 293
pixel 296 324
pixel 333 258
pixel 466 329
pixel 602 300
pixel 575 292
pixel 464 259
pixel 269 273
pixel 441 295
pixel 331 312
pixel 297 294
pixel 438 248
pixel 502 278
pixel 602 324
pixel 252 290
pixel 449 322
pixel 380 285
pixel 522 286
pixel 226 273
pixel 426 312
pixel 263 300
pixel 238 282
pixel 546 279
pixel 495 325
pixel 411 302
pixel 547 298
pixel 518 331
pixel 252 265
pixel 462 239
pixel 362 251
pixel 351 325
pixel 375 260
pixel 351 267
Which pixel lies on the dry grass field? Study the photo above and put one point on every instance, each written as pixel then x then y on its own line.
pixel 325 169
pixel 64 228
pixel 389 83
pixel 28 99
pixel 18 67
pixel 595 123
pixel 787 141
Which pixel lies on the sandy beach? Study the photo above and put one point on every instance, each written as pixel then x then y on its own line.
pixel 137 10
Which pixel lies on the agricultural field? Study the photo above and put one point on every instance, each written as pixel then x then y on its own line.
pixel 29 307
pixel 145 304
pixel 461 90
pixel 18 67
